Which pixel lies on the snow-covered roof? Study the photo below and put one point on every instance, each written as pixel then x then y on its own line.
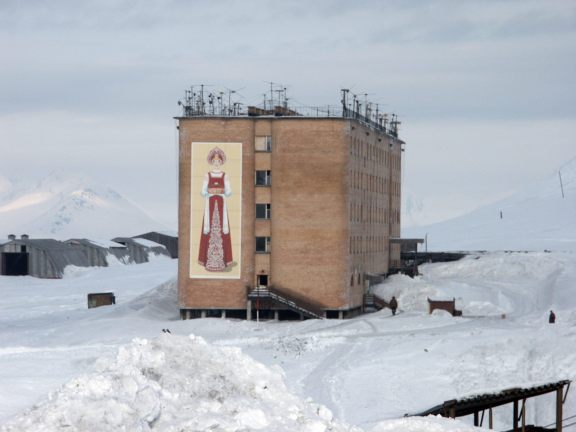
pixel 146 243
pixel 168 233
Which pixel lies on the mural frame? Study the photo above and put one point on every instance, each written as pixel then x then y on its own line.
pixel 215 210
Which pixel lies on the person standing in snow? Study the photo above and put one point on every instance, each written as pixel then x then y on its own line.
pixel 393 305
pixel 552 317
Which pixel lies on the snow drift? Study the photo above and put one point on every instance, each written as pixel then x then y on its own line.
pixel 177 383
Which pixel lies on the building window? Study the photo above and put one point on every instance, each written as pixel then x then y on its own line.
pixel 263 211
pixel 263 178
pixel 263 244
pixel 263 143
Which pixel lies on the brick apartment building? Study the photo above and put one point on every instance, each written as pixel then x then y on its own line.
pixel 302 206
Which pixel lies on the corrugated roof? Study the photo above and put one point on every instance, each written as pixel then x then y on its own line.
pixel 61 254
pixel 104 244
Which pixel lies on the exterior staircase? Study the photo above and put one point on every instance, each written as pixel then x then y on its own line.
pixel 373 301
pixel 300 306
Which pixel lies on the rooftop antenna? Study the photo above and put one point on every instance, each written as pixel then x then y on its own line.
pixel 272 84
pixel 236 108
pixel 285 98
pixel 344 100
pixel 271 95
pixel 220 103
pixel 211 103
pixel 230 103
pixel 394 123
pixel 280 95
pixel 202 104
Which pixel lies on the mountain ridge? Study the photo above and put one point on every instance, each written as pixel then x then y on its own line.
pixel 61 207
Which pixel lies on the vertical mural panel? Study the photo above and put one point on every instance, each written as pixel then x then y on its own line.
pixel 216 210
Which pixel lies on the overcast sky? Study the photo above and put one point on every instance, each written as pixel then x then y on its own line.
pixel 485 90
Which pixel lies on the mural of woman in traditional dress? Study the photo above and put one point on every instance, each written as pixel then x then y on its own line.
pixel 215 250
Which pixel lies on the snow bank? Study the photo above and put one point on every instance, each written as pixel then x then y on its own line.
pixel 177 383
pixel 483 284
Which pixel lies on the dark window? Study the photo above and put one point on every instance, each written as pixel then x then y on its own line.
pixel 263 178
pixel 263 211
pixel 263 244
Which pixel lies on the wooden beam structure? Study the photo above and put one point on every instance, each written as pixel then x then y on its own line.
pixel 474 405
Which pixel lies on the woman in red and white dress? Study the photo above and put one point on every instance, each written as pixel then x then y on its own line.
pixel 215 252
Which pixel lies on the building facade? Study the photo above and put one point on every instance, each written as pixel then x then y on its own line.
pixel 304 206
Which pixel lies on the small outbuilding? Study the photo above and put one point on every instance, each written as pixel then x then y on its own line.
pixel 43 258
pixel 168 240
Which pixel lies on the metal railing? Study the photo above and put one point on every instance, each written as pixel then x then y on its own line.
pixel 298 305
pixel 380 123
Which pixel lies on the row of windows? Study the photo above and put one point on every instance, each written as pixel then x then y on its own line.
pixel 367 244
pixel 358 244
pixel 368 182
pixel 368 213
pixel 395 188
pixel 367 151
pixel 360 148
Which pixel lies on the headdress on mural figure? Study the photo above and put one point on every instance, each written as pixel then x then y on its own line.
pixel 216 152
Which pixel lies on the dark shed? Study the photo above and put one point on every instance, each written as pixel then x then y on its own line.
pixel 139 249
pixel 43 258
pixel 98 251
pixel 170 241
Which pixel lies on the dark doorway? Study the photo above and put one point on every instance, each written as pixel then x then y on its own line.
pixel 14 263
pixel 262 280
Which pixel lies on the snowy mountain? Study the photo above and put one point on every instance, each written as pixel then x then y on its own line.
pixel 542 216
pixel 64 207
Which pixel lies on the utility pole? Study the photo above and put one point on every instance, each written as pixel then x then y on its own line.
pixel 561 185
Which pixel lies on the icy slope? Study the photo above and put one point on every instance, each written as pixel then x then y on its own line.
pixel 536 218
pixel 64 207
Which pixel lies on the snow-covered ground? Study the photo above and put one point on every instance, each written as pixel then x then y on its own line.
pixel 65 367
